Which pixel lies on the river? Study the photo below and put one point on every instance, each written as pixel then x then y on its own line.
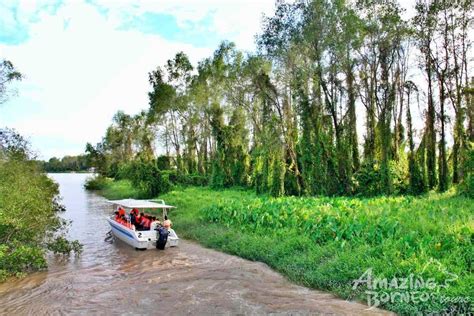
pixel 110 279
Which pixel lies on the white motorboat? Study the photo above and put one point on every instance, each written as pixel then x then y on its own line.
pixel 140 239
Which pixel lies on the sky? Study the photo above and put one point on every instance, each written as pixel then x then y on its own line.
pixel 85 60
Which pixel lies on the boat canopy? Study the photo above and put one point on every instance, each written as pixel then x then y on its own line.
pixel 141 204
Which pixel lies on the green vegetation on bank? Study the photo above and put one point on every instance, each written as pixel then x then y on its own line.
pixel 143 178
pixel 114 189
pixel 326 243
pixel 29 206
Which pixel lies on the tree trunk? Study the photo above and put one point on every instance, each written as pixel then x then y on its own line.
pixel 430 131
pixel 354 144
pixel 443 164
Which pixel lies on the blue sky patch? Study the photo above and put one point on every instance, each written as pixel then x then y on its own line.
pixel 13 38
pixel 11 31
pixel 198 33
pixel 14 29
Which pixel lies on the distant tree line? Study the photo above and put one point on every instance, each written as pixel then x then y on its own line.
pixel 284 120
pixel 66 164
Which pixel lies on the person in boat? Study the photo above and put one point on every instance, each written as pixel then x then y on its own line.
pixel 154 223
pixel 119 218
pixel 123 219
pixel 121 211
pixel 146 222
pixel 138 221
pixel 125 222
pixel 133 216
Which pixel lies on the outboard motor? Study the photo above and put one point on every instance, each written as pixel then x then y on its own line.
pixel 161 238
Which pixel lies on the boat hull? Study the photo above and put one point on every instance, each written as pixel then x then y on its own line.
pixel 140 239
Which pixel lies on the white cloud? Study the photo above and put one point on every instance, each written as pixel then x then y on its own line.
pixel 236 20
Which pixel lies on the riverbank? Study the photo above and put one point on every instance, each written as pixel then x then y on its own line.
pixel 30 222
pixel 327 243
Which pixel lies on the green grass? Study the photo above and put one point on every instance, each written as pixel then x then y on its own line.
pixel 121 189
pixel 326 243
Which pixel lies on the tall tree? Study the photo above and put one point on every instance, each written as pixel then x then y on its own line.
pixel 385 30
pixel 459 20
pixel 425 23
pixel 8 74
pixel 417 184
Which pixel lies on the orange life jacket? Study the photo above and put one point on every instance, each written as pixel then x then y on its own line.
pixel 121 211
pixel 146 223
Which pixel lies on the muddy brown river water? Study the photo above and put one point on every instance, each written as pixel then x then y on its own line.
pixel 111 279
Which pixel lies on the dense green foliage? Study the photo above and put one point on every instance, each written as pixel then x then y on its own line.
pixel 97 183
pixel 148 177
pixel 326 243
pixel 119 189
pixel 467 186
pixel 122 189
pixel 286 120
pixel 66 164
pixel 29 206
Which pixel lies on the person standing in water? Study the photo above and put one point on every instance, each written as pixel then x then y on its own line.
pixel 163 233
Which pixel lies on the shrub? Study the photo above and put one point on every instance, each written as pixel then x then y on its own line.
pixel 28 218
pixel 62 245
pixel 18 258
pixel 122 189
pixel 145 176
pixel 171 175
pixel 369 178
pixel 163 162
pixel 400 177
pixel 198 180
pixel 193 179
pixel 218 177
pixel 97 183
